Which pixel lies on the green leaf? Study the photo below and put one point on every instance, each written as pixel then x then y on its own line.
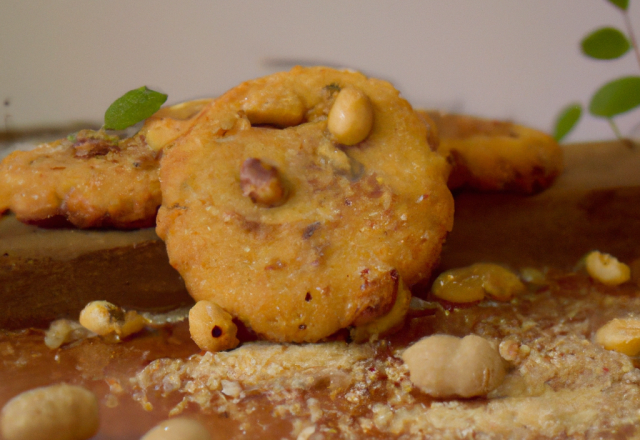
pixel 567 119
pixel 605 44
pixel 621 4
pixel 616 97
pixel 132 107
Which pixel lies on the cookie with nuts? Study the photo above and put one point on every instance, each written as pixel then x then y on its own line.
pixel 493 155
pixel 299 203
pixel 94 179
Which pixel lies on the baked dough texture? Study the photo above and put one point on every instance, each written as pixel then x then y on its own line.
pixel 493 155
pixel 93 179
pixel 350 222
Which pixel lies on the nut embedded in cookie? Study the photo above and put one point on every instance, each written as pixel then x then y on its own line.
pixel 289 229
pixel 261 183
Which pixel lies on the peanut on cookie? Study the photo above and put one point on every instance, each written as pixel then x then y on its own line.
pixel 300 201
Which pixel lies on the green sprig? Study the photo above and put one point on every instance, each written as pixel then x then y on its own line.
pixel 614 97
pixel 605 44
pixel 132 107
pixel 622 4
pixel 567 119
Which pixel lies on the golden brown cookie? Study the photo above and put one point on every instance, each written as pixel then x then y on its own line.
pixel 267 213
pixel 490 155
pixel 93 179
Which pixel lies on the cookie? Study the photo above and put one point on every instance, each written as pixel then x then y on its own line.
pixel 296 221
pixel 93 179
pixel 491 155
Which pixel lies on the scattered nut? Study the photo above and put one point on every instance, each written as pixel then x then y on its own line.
pixel 211 327
pixel 64 331
pixel 386 323
pixel 56 412
pixel 500 284
pixel 532 275
pixel 261 182
pixel 621 335
pixel 351 117
pixel 453 286
pixel 472 283
pixel 509 350
pixel 513 351
pixel 446 366
pixel 179 428
pixel 104 318
pixel 607 269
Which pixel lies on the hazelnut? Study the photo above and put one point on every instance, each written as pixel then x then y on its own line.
pixel 261 183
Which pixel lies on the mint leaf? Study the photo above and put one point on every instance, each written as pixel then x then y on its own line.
pixel 605 44
pixel 616 97
pixel 621 4
pixel 132 107
pixel 567 119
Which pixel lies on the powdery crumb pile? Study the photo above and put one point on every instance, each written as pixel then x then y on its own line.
pixel 559 385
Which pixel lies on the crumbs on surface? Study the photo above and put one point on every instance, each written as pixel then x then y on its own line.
pixel 560 383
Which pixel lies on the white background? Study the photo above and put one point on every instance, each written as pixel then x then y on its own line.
pixel 66 61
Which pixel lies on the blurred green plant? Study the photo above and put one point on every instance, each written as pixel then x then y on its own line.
pixel 615 97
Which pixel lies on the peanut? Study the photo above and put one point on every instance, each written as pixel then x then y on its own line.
pixel 351 117
pixel 446 366
pixel 472 283
pixel 64 331
pixel 104 318
pixel 211 327
pixel 621 335
pixel 386 323
pixel 56 412
pixel 607 269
